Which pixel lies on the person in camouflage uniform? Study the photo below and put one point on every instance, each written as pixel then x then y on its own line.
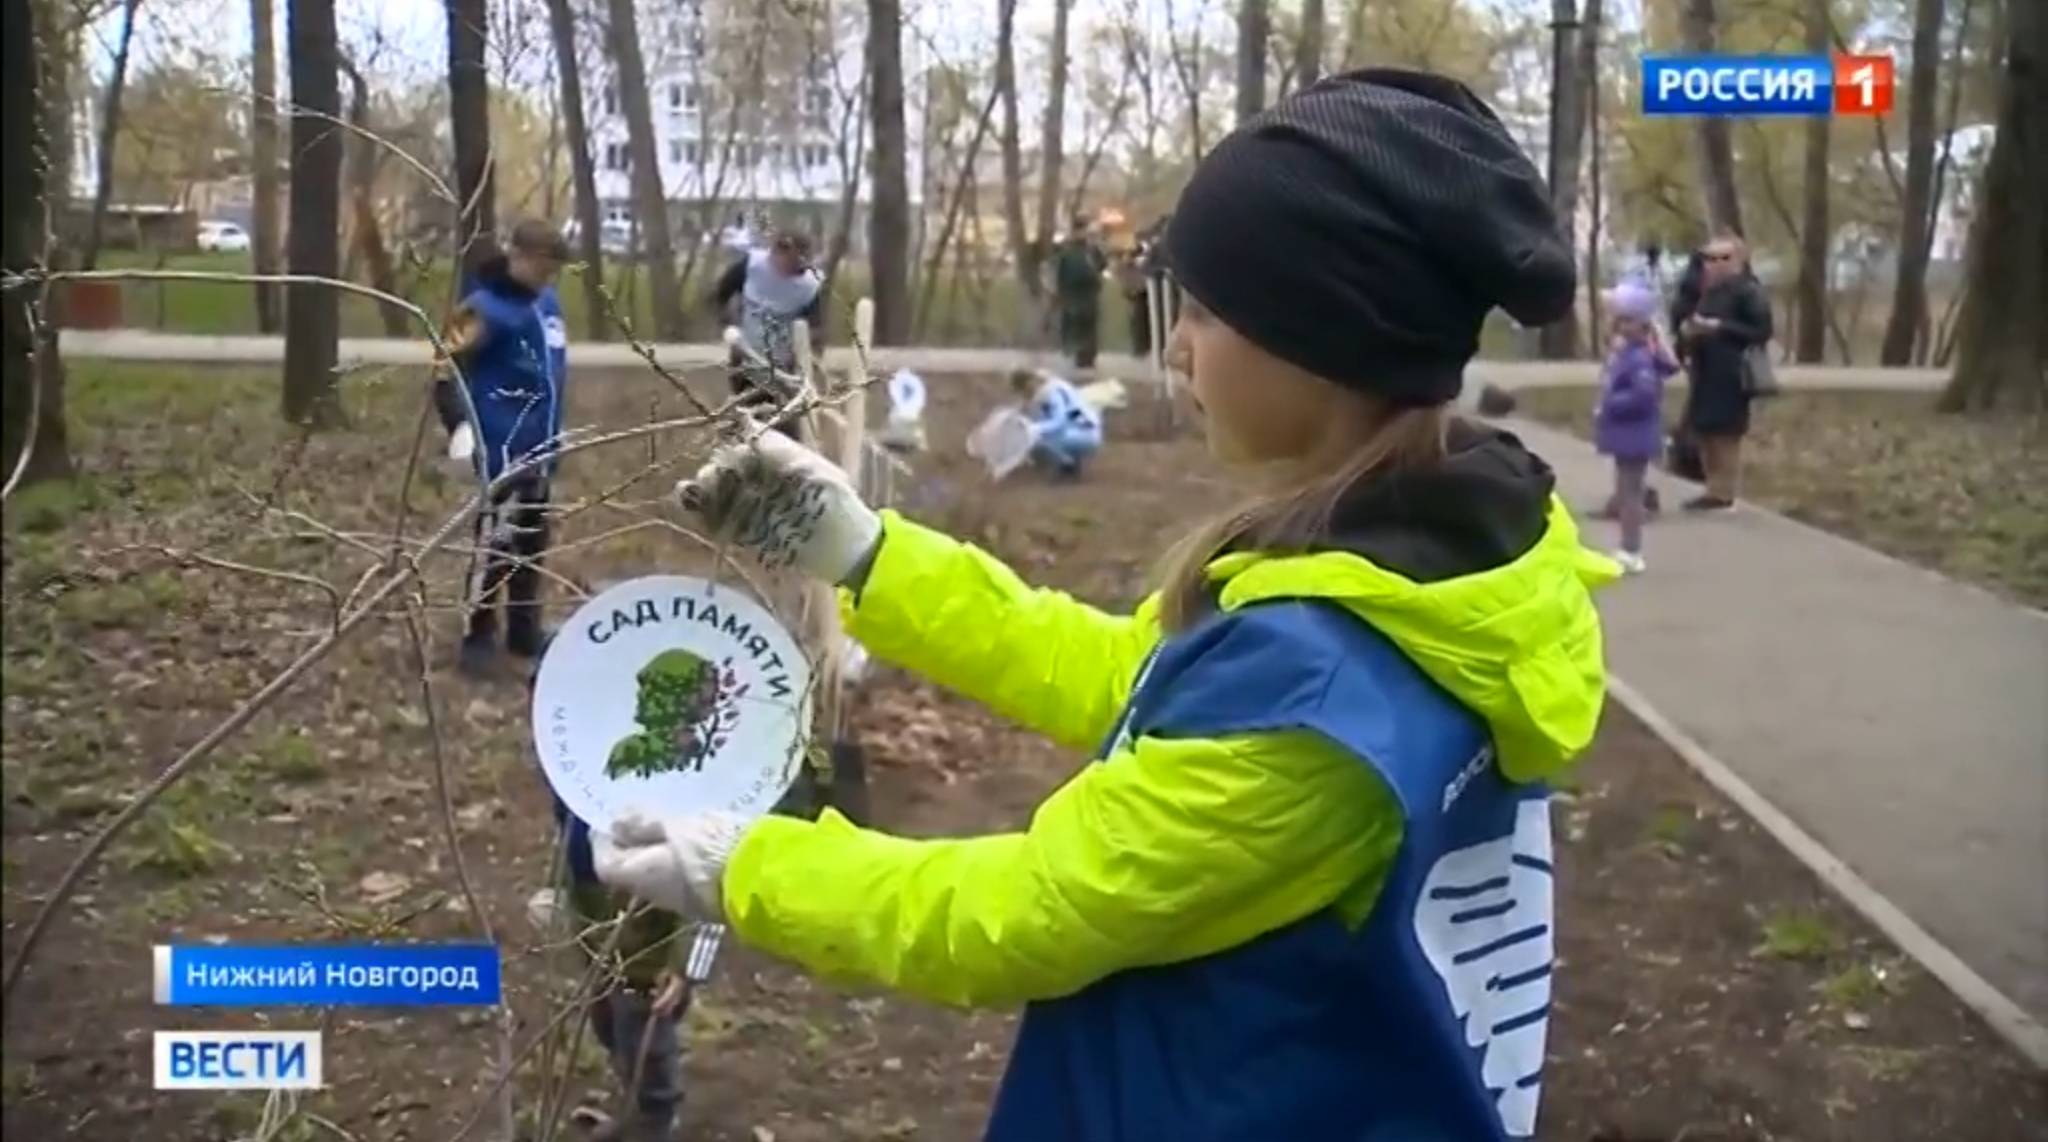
pixel 1077 287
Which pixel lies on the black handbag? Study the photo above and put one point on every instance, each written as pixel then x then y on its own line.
pixel 1682 457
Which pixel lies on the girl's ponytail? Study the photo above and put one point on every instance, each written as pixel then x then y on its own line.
pixel 1296 516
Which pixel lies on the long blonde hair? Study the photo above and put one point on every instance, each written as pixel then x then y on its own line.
pixel 1297 514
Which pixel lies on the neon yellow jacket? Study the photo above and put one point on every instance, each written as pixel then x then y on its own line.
pixel 1183 847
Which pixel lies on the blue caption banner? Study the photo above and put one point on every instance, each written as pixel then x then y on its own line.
pixel 361 975
pixel 1738 85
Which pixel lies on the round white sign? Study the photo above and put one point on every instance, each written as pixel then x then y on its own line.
pixel 671 695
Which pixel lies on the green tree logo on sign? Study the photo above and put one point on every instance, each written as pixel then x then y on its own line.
pixel 687 707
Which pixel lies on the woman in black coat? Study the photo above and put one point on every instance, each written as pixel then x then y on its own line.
pixel 1733 316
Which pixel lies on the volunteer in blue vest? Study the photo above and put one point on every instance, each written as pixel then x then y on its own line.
pixel 1069 431
pixel 512 345
pixel 1305 892
pixel 765 293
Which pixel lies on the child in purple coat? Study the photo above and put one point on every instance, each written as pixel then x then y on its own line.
pixel 1628 422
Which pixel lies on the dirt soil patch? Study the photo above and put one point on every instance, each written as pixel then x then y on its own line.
pixel 1708 988
pixel 1954 493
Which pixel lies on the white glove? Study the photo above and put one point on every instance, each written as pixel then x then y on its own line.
pixel 787 504
pixel 462 442
pixel 675 865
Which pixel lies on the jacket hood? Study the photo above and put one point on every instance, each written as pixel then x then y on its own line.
pixel 1475 570
pixel 494 273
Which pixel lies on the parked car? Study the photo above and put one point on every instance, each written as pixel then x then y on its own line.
pixel 614 237
pixel 217 237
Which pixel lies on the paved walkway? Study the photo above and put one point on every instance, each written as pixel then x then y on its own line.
pixel 144 345
pixel 1899 717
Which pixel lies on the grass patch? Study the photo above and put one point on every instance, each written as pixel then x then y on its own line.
pixel 1861 985
pixel 50 506
pixel 1670 828
pixel 98 393
pixel 1884 469
pixel 289 757
pixel 129 602
pixel 19 1082
pixel 1796 934
pixel 170 845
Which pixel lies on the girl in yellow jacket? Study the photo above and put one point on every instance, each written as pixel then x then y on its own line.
pixel 1305 890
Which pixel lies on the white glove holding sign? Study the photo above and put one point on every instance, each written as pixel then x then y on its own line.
pixel 788 505
pixel 675 865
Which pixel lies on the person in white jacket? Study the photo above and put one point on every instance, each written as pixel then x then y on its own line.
pixel 1069 429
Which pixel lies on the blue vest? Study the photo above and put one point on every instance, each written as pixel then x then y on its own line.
pixel 515 376
pixel 1424 1024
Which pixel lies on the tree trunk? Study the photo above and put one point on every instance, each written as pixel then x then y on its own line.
pixel 57 40
pixel 363 159
pixel 1570 73
pixel 650 203
pixel 1052 137
pixel 263 217
pixel 26 223
pixel 2001 341
pixel 469 119
pixel 1809 339
pixel 1308 50
pixel 1909 284
pixel 110 134
pixel 889 211
pixel 1589 78
pixel 1716 147
pixel 1254 24
pixel 853 121
pixel 589 222
pixel 1021 257
pixel 312 321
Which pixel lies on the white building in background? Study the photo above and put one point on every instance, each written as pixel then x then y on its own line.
pixel 782 153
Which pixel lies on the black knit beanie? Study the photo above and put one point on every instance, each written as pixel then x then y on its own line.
pixel 1363 228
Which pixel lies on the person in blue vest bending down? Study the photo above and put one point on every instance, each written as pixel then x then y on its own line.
pixel 1306 890
pixel 1069 430
pixel 511 344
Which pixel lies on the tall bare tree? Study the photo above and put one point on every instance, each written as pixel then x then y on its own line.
pixel 1188 59
pixel 312 323
pixel 263 159
pixel 110 135
pixel 364 156
pixel 1909 284
pixel 1809 338
pixel 1716 146
pixel 582 168
pixel 1134 53
pixel 2001 340
pixel 1571 69
pixel 26 228
pixel 59 34
pixel 1013 157
pixel 1254 25
pixel 889 214
pixel 1308 50
pixel 954 203
pixel 469 117
pixel 1589 81
pixel 1052 137
pixel 650 203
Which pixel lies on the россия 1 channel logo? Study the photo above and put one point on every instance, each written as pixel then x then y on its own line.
pixel 1767 85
